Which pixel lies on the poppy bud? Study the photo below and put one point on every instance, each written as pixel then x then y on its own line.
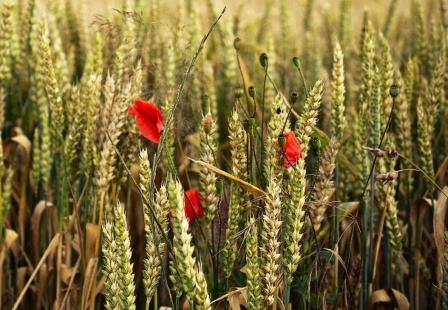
pixel 281 140
pixel 246 125
pixel 219 185
pixel 239 92
pixel 296 62
pixel 293 97
pixel 264 60
pixel 252 92
pixel 252 121
pixel 208 123
pixel 205 100
pixel 237 44
pixel 394 91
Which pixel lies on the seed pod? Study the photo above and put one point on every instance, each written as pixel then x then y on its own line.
pixel 394 91
pixel 237 44
pixel 296 62
pixel 252 92
pixel 264 60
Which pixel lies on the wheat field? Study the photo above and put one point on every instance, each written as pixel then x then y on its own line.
pixel 223 154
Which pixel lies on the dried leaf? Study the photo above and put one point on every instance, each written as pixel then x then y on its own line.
pixel 43 277
pixel 36 221
pixel 344 209
pixel 89 276
pixel 11 236
pixel 439 231
pixel 21 278
pixel 237 298
pixel 390 297
pixel 91 236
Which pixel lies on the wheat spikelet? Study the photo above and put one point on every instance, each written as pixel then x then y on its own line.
pixel 51 85
pixel 294 218
pixel 273 153
pixel 5 42
pixel 324 188
pixel 270 246
pixel 393 229
pixel 309 116
pixel 254 297
pixel 338 94
pixel 239 203
pixel 90 100
pixel 118 269
pixel 155 245
pixel 403 133
pixel 75 132
pixel 184 262
pixel 207 177
pixel 387 80
pixel 425 131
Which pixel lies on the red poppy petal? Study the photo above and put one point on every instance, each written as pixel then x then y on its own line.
pixel 147 128
pixel 193 207
pixel 132 111
pixel 149 111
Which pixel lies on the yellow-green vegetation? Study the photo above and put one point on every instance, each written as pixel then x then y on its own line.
pixel 294 154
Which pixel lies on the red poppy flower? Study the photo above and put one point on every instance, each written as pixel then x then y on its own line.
pixel 292 149
pixel 193 207
pixel 149 119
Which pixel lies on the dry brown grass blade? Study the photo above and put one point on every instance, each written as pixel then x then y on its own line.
pixel 2 259
pixel 21 155
pixel 11 244
pixel 71 275
pixel 51 247
pixel 21 278
pixel 91 237
pixel 42 284
pixel 238 299
pixel 35 222
pixel 439 233
pixel 236 290
pixel 89 276
pixel 418 210
pixel 247 186
pixel 388 296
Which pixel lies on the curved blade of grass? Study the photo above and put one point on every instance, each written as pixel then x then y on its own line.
pixel 247 186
